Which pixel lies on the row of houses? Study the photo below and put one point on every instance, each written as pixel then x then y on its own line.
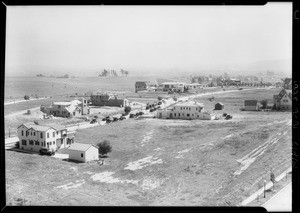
pixel 168 86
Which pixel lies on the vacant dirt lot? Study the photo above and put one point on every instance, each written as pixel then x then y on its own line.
pixel 163 162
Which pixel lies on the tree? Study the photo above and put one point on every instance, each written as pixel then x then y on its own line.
pixel 26 97
pixel 104 147
pixel 159 98
pixel 126 73
pixel 127 109
pixel 122 72
pixel 264 104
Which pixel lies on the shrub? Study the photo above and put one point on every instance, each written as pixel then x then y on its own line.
pixel 127 109
pixel 104 147
pixel 264 104
pixel 159 98
pixel 26 97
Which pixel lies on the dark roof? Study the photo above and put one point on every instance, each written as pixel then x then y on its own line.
pixel 141 83
pixel 219 103
pixel 250 102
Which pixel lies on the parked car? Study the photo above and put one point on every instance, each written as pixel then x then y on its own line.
pixel 46 151
pixel 228 117
pixel 131 115
pixel 93 121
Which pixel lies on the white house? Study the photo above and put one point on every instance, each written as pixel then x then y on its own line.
pixel 172 86
pixel 283 100
pixel 34 137
pixel 83 152
pixel 185 110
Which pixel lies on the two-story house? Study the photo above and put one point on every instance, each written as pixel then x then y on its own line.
pixel 34 137
pixel 283 100
pixel 185 110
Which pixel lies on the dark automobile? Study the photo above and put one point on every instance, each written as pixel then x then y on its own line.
pixel 131 115
pixel 46 151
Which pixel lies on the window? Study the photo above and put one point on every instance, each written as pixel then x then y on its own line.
pixel 180 108
pixel 190 108
pixel 24 142
pixel 37 143
pixel 198 116
pixel 30 133
pixel 33 133
pixel 174 114
pixel 179 114
pixel 48 135
pixel 50 143
pixel 82 155
pixel 57 132
pixel 22 133
pixel 41 135
pixel 53 142
pixel 188 115
pixel 30 142
pixel 53 134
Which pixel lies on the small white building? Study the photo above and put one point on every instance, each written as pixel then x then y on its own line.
pixel 185 110
pixel 83 152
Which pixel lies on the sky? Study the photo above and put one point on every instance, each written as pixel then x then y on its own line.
pixel 83 40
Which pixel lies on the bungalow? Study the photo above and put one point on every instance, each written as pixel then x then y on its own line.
pixel 101 99
pixel 283 100
pixel 34 137
pixel 185 110
pixel 251 105
pixel 83 152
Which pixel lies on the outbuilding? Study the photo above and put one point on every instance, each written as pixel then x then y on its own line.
pixel 251 105
pixel 83 152
pixel 219 106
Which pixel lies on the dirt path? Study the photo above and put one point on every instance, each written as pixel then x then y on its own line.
pixel 19 101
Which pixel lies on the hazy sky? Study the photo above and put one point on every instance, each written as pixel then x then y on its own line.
pixel 86 39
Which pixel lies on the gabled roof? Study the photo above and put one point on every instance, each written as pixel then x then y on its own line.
pixel 284 92
pixel 219 103
pixel 62 103
pixel 81 147
pixel 250 102
pixel 42 128
pixel 189 103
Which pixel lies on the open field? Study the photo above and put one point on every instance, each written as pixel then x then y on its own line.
pixel 163 162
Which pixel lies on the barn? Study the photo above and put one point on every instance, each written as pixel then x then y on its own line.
pixel 251 105
pixel 219 106
pixel 83 152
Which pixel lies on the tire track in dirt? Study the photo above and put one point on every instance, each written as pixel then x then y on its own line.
pixel 248 159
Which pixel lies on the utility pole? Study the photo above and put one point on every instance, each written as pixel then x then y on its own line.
pixel 264 188
pixel 9 131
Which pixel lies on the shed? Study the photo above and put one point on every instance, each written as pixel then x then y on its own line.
pixel 251 105
pixel 83 152
pixel 219 106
